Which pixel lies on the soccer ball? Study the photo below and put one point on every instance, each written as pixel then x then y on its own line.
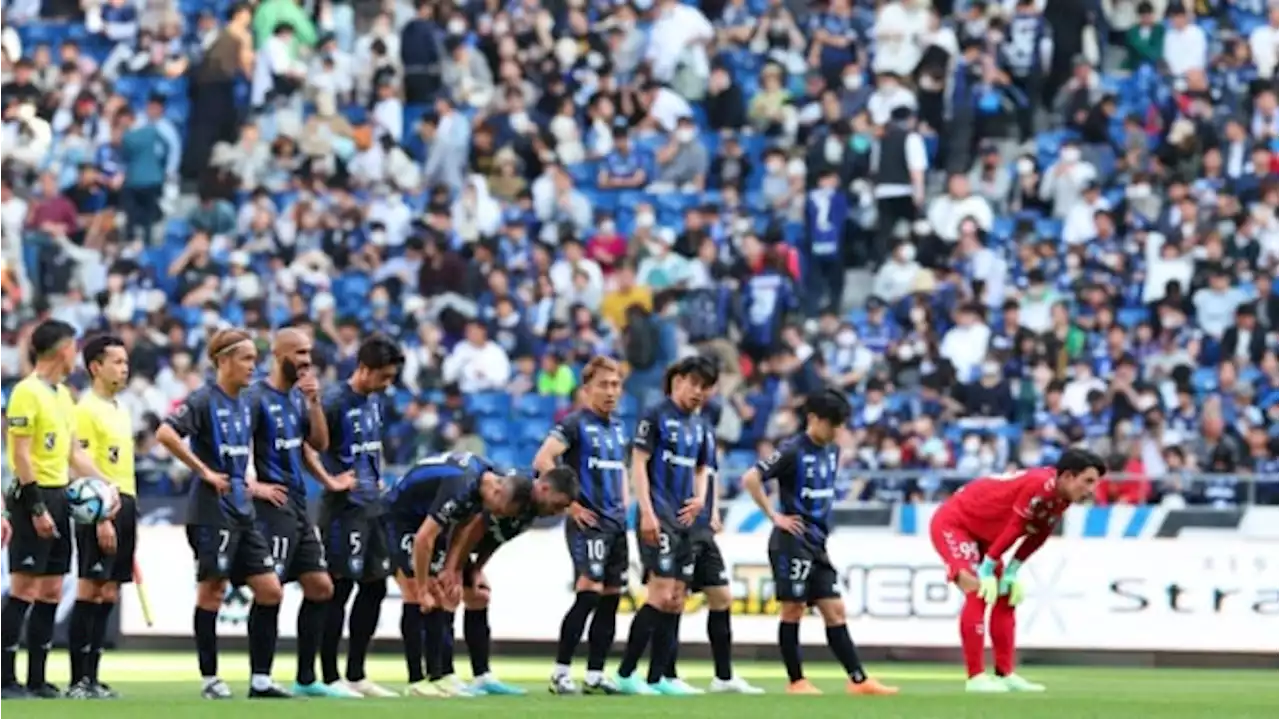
pixel 91 500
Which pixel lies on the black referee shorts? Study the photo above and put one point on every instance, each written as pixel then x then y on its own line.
pixel 98 566
pixel 31 554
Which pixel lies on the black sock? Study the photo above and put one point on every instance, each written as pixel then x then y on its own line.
pixel 475 630
pixel 720 634
pixel 264 627
pixel 446 641
pixel 842 646
pixel 660 651
pixel 39 640
pixel 604 625
pixel 670 671
pixel 12 618
pixel 98 639
pixel 789 643
pixel 642 627
pixel 206 632
pixel 311 620
pixel 364 621
pixel 334 619
pixel 433 629
pixel 411 635
pixel 575 620
pixel 79 637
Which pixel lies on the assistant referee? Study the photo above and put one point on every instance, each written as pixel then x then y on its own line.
pixel 42 449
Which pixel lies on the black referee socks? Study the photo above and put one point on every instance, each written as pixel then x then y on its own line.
pixel 842 646
pixel 604 625
pixel 575 621
pixel 80 637
pixel 39 640
pixel 97 639
pixel 413 638
pixel 475 630
pixel 12 618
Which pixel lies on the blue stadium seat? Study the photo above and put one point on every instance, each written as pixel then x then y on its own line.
pixel 489 404
pixel 536 406
pixel 503 455
pixel 628 407
pixel 1204 380
pixel 493 430
pixel 533 431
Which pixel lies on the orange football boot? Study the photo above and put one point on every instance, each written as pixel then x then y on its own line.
pixel 803 687
pixel 871 688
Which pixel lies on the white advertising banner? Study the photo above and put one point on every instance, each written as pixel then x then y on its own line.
pixel 1146 594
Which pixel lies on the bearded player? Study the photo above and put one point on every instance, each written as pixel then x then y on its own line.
pixel 974 529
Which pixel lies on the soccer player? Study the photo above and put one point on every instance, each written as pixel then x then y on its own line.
pixel 804 467
pixel 592 441
pixel 106 551
pixel 42 452
pixel 711 579
pixel 669 466
pixel 974 529
pixel 287 413
pixel 218 421
pixel 351 519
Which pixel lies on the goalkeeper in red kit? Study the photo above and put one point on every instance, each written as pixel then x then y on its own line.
pixel 974 529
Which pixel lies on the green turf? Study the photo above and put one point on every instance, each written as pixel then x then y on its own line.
pixel 167 682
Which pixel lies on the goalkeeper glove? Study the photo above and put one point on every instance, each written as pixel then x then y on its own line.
pixel 988 586
pixel 1009 585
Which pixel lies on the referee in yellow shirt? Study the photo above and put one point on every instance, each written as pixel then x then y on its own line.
pixel 42 450
pixel 106 550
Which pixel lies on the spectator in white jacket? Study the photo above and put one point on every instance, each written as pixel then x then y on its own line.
pixel 1080 225
pixel 1065 180
pixel 477 364
pixel 948 211
pixel 894 278
pixel 1166 262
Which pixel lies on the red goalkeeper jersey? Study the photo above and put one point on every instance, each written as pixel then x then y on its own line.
pixel 999 509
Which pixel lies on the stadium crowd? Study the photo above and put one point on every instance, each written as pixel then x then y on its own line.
pixel 1003 228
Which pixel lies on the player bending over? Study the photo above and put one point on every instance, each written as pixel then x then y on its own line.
pixel 218 420
pixel 669 466
pixel 972 531
pixel 287 413
pixel 709 575
pixel 106 551
pixel 592 442
pixel 351 513
pixel 43 451
pixel 804 467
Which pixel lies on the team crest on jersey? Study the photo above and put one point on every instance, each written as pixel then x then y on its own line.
pixel 664 563
pixel 50 439
pixel 357 565
pixel 797 589
pixel 113 455
pixel 597 569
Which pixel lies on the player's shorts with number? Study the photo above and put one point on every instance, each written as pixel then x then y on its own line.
pixel 708 564
pixel 802 572
pixel 957 548
pixel 400 539
pixel 31 554
pixel 355 544
pixel 598 553
pixel 671 557
pixel 234 552
pixel 293 541
pixel 95 564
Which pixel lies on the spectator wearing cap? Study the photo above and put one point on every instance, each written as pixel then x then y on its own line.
pixel 477 364
pixel 1186 47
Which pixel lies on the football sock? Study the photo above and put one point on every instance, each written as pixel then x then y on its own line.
pixel 789 643
pixel 663 641
pixel 12 617
pixel 206 631
pixel 475 629
pixel 842 646
pixel 671 671
pixel 973 634
pixel 1003 633
pixel 311 621
pixel 446 641
pixel 412 637
pixel 433 630
pixel 335 618
pixel 604 625
pixel 642 626
pixel 364 621
pixel 79 633
pixel 98 639
pixel 720 634
pixel 575 620
pixel 264 627
pixel 39 640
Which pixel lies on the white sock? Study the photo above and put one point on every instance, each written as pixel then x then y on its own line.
pixel 594 676
pixel 208 681
pixel 487 676
pixel 260 682
pixel 559 671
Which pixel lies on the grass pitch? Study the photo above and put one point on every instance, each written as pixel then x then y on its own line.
pixel 168 683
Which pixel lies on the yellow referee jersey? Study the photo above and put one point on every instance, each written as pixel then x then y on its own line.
pixel 46 414
pixel 105 430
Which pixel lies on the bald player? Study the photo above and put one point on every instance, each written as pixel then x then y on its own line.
pixel 287 412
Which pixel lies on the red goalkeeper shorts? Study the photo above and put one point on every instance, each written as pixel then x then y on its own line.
pixel 957 548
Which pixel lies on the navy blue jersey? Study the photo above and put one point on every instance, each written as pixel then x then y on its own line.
pixel 676 443
pixel 1021 50
pixel 806 476
pixel 500 530
pixel 596 448
pixel 713 476
pixel 281 425
pixel 355 445
pixel 445 487
pixel 220 428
